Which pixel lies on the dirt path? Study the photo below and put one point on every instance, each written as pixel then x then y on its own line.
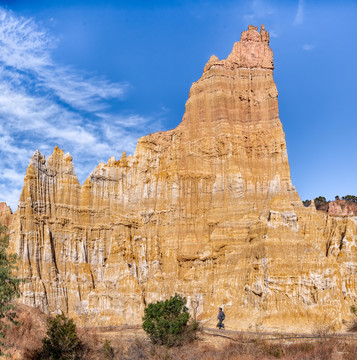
pixel 240 344
pixel 277 335
pixel 131 332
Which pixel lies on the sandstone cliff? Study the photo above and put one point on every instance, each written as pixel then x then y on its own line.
pixel 207 210
pixel 342 208
pixel 5 214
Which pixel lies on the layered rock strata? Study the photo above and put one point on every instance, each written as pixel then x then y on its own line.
pixel 5 214
pixel 207 210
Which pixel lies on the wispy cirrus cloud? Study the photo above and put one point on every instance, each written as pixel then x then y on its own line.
pixel 44 103
pixel 24 46
pixel 308 47
pixel 299 17
pixel 261 11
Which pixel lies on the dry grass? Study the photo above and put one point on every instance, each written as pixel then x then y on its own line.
pixel 237 348
pixel 131 343
pixel 353 326
pixel 25 339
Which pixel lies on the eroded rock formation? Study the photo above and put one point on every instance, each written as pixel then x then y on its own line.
pixel 342 208
pixel 5 214
pixel 207 210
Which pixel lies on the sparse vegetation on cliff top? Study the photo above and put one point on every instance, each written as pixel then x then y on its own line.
pixel 322 203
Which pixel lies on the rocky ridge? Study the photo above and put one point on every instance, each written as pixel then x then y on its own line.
pixel 342 208
pixel 207 210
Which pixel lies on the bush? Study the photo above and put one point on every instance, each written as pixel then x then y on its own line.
pixel 9 284
pixel 107 350
pixel 321 203
pixel 167 322
pixel 61 341
pixel 320 199
pixel 307 203
pixel 353 327
pixel 26 339
pixel 350 198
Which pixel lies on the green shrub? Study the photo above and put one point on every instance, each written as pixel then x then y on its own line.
pixel 167 322
pixel 320 199
pixel 350 198
pixel 9 284
pixel 107 350
pixel 307 203
pixel 353 326
pixel 61 341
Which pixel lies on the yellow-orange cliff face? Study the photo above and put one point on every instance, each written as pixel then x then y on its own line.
pixel 206 210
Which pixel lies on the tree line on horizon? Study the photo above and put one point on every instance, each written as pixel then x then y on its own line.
pixel 322 199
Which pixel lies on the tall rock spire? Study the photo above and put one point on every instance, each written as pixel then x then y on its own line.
pixel 232 117
pixel 207 210
pixel 252 51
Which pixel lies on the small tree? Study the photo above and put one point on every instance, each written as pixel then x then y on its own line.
pixel 9 284
pixel 350 198
pixel 353 327
pixel 61 341
pixel 167 322
pixel 107 350
pixel 320 199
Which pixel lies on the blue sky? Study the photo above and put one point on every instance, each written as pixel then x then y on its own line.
pixel 93 76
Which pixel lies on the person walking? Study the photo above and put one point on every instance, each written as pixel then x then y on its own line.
pixel 221 316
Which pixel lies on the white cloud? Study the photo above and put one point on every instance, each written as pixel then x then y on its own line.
pixel 43 104
pixel 249 18
pixel 12 175
pixel 259 10
pixel 79 92
pixel 308 47
pixel 10 195
pixel 299 17
pixel 273 34
pixel 23 45
pixel 26 47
